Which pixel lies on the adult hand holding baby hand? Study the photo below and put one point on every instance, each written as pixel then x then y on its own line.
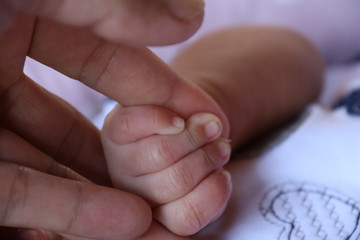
pixel 38 130
pixel 41 133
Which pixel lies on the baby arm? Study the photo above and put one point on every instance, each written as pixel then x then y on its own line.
pixel 260 76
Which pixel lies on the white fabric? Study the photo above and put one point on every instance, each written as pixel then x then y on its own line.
pixel 333 26
pixel 310 180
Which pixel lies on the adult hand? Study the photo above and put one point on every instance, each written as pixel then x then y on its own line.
pixel 38 192
pixel 134 22
pixel 41 133
pixel 39 130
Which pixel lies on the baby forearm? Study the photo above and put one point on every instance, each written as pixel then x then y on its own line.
pixel 260 76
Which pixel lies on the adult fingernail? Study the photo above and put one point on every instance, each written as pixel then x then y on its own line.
pixel 186 9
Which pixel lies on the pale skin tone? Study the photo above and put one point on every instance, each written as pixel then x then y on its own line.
pixel 40 134
pixel 99 64
pixel 260 77
pixel 174 169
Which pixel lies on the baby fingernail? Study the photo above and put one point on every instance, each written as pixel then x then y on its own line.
pixel 186 9
pixel 227 175
pixel 212 129
pixel 224 149
pixel 177 125
pixel 178 122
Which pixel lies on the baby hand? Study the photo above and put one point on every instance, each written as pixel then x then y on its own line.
pixel 175 165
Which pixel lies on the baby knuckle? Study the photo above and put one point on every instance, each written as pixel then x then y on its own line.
pixel 162 154
pixel 154 118
pixel 207 158
pixel 181 180
pixel 118 126
pixel 191 136
pixel 124 124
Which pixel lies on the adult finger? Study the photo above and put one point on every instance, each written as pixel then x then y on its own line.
pixel 31 199
pixel 55 128
pixel 131 76
pixel 134 22
pixel 47 122
pixel 16 150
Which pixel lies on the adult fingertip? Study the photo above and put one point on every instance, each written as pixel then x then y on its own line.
pixel 142 222
pixel 122 222
pixel 70 207
pixel 186 9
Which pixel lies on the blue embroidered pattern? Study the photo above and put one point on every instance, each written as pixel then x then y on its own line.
pixel 304 211
pixel 351 102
